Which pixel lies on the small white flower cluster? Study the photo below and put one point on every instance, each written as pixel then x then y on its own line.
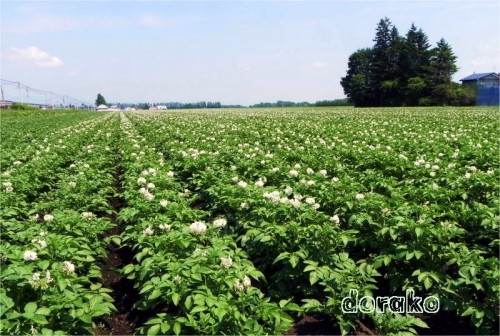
pixel 359 197
pixel 402 157
pixel 149 171
pixel 294 173
pixel 240 286
pixel 226 262
pixel 8 187
pixel 48 218
pixel 41 242
pixel 312 201
pixel 30 255
pixel 335 220
pixel 274 196
pixel 68 267
pixel 72 184
pixel 164 203
pixel 220 222
pixel 307 182
pixel 242 184
pixel 141 180
pixel 198 228
pixel 38 282
pixel 147 195
pixel 184 193
pixel 244 206
pixel 87 215
pixel 472 168
pixel 165 227
pixel 170 174
pixel 148 231
pixel 419 162
pixel 260 182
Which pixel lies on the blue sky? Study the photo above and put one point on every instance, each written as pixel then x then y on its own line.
pixel 235 52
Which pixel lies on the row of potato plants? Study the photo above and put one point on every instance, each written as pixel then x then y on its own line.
pixel 326 201
pixel 24 135
pixel 191 275
pixel 54 208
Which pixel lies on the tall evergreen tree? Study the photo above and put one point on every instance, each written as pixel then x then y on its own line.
pixel 415 66
pixel 357 83
pixel 100 100
pixel 442 69
pixel 385 62
pixel 402 71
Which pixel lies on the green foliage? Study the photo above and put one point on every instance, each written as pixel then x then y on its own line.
pixel 21 106
pixel 100 100
pixel 240 228
pixel 402 71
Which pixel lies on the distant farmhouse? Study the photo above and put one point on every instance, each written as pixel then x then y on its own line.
pixel 103 107
pixel 487 87
pixel 158 107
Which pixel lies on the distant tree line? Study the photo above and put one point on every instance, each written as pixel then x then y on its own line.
pixel 177 105
pixel 403 71
pixel 281 103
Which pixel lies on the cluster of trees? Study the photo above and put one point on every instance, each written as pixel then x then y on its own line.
pixel 281 103
pixel 403 71
pixel 100 100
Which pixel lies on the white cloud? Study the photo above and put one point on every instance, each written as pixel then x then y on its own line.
pixel 319 65
pixel 35 56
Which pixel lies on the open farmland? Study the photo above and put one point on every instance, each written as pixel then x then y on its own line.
pixel 248 221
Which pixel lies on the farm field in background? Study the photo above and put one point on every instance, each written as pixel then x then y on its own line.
pixel 248 221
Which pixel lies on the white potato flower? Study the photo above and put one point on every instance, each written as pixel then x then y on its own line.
pixel 226 262
pixel 197 227
pixel 165 227
pixel 246 281
pixel 220 222
pixel 68 267
pixel 335 219
pixel 359 197
pixel 148 231
pixel 48 218
pixel 30 255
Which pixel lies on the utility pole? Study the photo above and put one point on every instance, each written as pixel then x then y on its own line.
pixel 19 91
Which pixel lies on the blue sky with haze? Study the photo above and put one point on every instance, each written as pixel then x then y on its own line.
pixel 234 52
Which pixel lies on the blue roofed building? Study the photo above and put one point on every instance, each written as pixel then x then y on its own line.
pixel 487 87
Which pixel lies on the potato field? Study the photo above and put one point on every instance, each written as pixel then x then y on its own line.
pixel 249 221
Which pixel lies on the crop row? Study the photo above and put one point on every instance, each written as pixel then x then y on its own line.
pixel 189 268
pixel 54 208
pixel 397 201
pixel 242 221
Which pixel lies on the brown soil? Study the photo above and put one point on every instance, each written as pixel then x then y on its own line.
pixel 123 321
pixel 315 324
